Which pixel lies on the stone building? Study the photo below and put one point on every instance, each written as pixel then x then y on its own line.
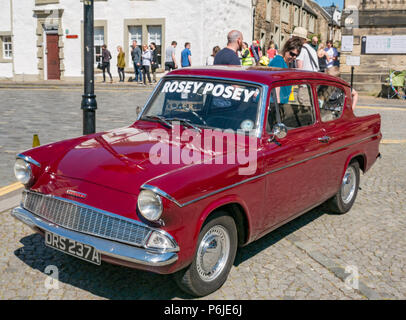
pixel 378 28
pixel 43 39
pixel 328 22
pixel 276 19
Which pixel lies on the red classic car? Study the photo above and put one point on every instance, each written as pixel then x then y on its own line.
pixel 218 157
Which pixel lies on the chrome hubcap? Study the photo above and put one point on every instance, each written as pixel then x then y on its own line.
pixel 348 185
pixel 213 252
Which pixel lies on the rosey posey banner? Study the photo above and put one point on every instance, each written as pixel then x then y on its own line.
pixel 224 146
pixel 232 92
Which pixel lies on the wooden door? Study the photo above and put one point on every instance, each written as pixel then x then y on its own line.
pixel 53 57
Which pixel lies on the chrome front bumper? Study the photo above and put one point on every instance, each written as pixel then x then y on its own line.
pixel 105 247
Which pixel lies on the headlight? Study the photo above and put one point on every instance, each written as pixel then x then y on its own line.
pixel 22 171
pixel 150 205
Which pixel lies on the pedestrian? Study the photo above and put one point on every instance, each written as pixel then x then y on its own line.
pixel 255 51
pixel 121 63
pixel 315 43
pixel 290 51
pixel 210 59
pixel 146 63
pixel 170 60
pixel 246 59
pixel 272 52
pixel 307 59
pixel 136 57
pixel 332 54
pixel 229 54
pixel 154 61
pixel 186 56
pixel 323 57
pixel 106 57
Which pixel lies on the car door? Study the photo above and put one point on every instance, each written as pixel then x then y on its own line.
pixel 331 102
pixel 295 166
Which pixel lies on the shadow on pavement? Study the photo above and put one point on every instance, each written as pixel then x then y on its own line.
pixel 116 282
pixel 275 236
pixel 107 281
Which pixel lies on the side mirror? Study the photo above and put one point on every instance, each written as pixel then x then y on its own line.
pixel 280 130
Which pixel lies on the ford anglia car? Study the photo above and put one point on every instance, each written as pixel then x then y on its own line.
pixel 217 158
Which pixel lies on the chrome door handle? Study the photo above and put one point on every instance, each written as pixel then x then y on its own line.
pixel 324 139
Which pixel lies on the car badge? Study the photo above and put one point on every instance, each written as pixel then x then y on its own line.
pixel 76 194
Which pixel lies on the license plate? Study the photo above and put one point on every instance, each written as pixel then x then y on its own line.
pixel 72 247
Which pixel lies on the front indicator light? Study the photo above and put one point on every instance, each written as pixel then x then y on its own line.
pixel 161 242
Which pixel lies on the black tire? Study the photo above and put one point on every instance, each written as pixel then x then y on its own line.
pixel 341 204
pixel 190 279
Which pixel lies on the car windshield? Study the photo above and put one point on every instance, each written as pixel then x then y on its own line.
pixel 206 103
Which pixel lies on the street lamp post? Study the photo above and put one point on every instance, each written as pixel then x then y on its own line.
pixel 89 104
pixel 254 6
pixel 333 9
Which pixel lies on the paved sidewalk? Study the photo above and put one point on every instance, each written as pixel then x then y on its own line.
pixel 365 100
pixel 63 84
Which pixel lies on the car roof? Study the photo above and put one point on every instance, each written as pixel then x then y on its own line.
pixel 257 74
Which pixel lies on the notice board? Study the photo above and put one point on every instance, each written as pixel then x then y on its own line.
pixel 384 45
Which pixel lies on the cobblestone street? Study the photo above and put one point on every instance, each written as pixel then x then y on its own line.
pixel 316 256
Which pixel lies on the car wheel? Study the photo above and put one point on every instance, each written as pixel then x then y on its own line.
pixel 345 197
pixel 215 254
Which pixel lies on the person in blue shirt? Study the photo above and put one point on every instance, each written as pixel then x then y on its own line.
pixel 186 56
pixel 290 51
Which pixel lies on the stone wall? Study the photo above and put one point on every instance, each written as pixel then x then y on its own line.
pixel 376 17
pixel 278 28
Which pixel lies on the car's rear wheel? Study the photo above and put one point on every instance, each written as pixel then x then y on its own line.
pixel 215 254
pixel 345 197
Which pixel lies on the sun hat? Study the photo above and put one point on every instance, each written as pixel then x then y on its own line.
pixel 300 32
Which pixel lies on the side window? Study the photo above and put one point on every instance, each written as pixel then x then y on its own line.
pixel 295 106
pixel 331 102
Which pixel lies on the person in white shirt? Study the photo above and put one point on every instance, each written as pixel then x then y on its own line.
pixel 210 59
pixel 146 63
pixel 307 59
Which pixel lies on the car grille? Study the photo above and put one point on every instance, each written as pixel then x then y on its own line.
pixel 81 218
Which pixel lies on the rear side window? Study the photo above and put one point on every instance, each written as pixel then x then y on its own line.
pixel 331 102
pixel 295 106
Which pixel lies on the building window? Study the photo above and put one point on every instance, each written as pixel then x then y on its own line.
pixel 311 23
pixel 285 12
pixel 155 35
pixel 304 21
pixel 135 34
pixel 296 17
pixel 7 47
pixel 262 40
pixel 268 10
pixel 98 43
pixel 144 31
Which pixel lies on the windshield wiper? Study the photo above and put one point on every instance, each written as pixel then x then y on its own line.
pixel 187 122
pixel 160 119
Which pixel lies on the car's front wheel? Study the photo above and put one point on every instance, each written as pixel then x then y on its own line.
pixel 345 197
pixel 215 254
